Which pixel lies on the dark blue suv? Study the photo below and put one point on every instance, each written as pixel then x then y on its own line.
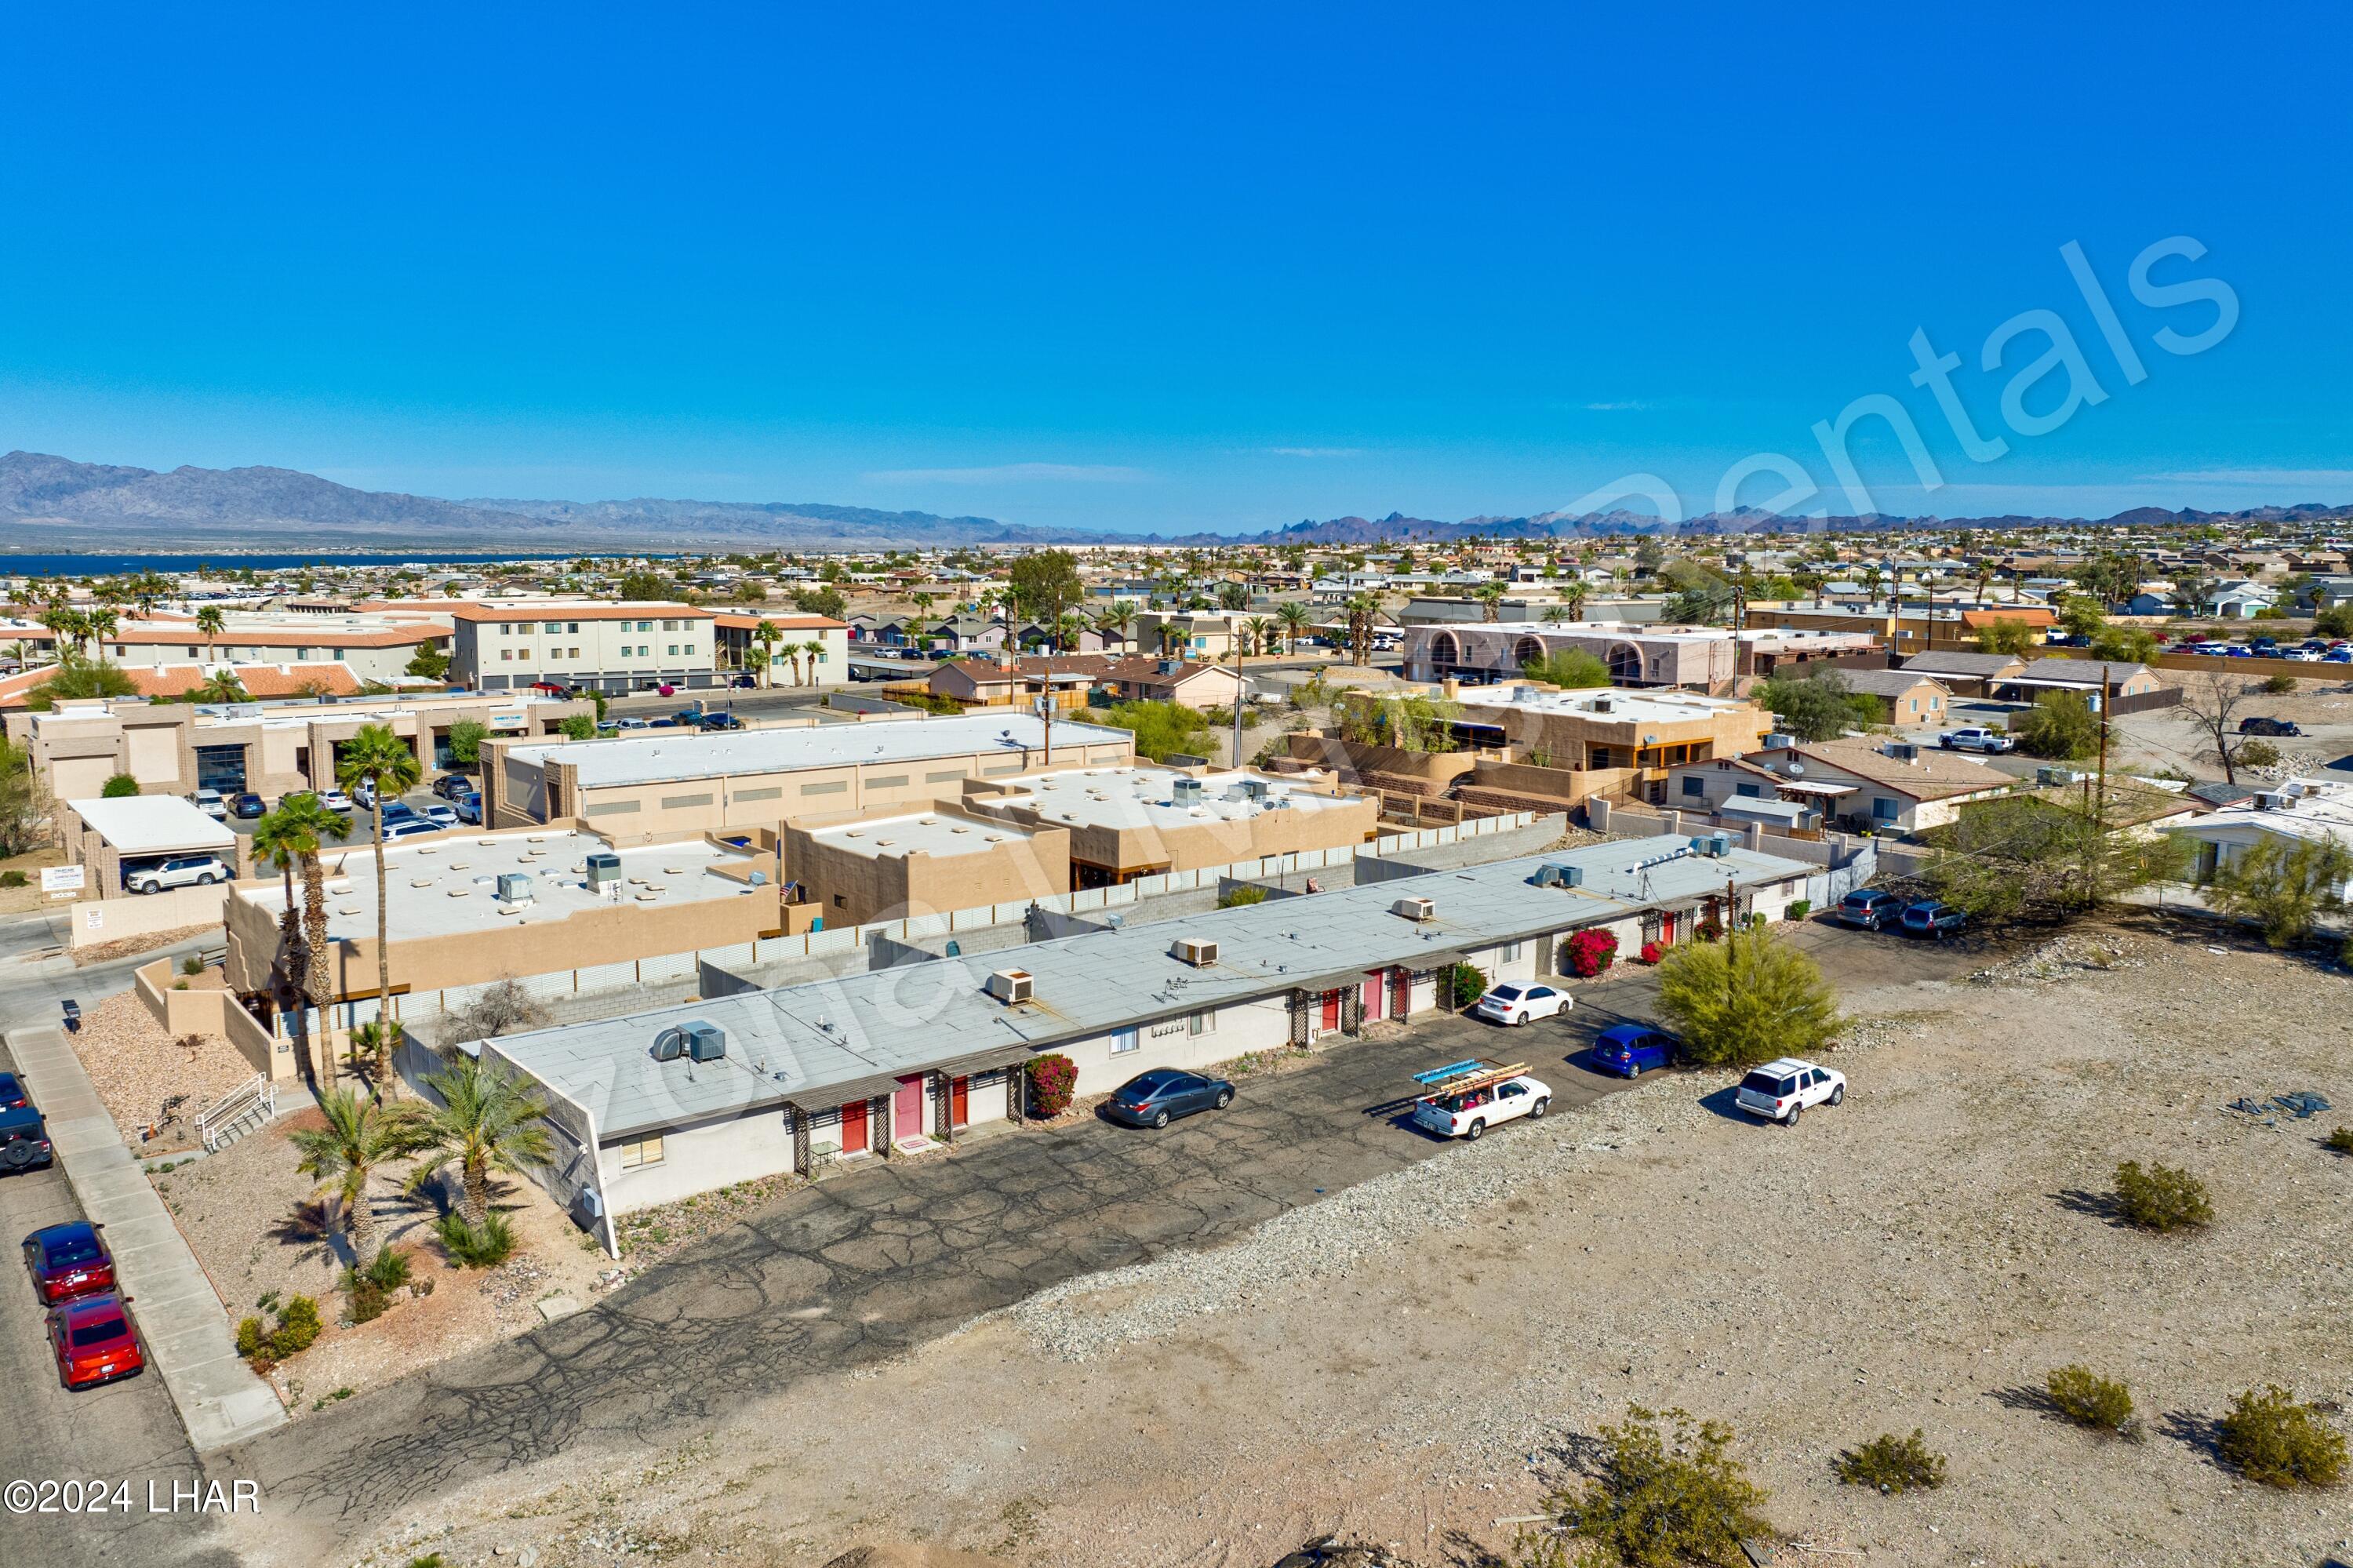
pixel 1632 1049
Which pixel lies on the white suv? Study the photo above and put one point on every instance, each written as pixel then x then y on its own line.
pixel 186 871
pixel 211 804
pixel 1780 1091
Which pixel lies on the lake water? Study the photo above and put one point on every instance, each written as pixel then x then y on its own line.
pixel 14 564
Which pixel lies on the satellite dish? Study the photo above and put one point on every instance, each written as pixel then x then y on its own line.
pixel 1797 770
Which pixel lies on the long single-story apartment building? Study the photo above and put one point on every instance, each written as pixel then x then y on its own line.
pixel 667 784
pixel 665 1104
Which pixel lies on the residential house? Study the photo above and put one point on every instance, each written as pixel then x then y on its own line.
pixel 1884 786
pixel 1906 696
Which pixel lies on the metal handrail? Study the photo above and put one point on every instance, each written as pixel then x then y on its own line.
pixel 234 1106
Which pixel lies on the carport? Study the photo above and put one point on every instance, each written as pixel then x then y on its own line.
pixel 115 836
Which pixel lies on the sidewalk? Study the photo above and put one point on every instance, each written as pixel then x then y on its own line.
pixel 186 1327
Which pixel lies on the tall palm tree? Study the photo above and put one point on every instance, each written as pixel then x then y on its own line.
pixel 1491 602
pixel 1555 614
pixel 211 622
pixel 1362 610
pixel 1115 622
pixel 767 636
pixel 278 840
pixel 387 766
pixel 297 830
pixel 1296 618
pixel 489 1120
pixel 360 1135
pixel 814 648
pixel 1067 627
pixel 221 686
pixel 1261 633
pixel 101 624
pixel 1572 598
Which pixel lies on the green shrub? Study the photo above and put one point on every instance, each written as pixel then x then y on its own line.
pixel 2090 1400
pixel 297 1326
pixel 1465 983
pixel 2161 1198
pixel 371 1288
pixel 251 1335
pixel 2280 685
pixel 1661 1500
pixel 1798 909
pixel 2341 1140
pixel 2269 1437
pixel 119 786
pixel 12 879
pixel 1234 898
pixel 191 965
pixel 1893 1464
pixel 484 1247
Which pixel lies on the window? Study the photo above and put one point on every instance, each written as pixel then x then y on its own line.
pixel 770 793
pixel 1203 1022
pixel 1695 785
pixel 505 654
pixel 1126 1040
pixel 1916 708
pixel 1883 809
pixel 575 652
pixel 943 777
pixel 671 626
pixel 1748 791
pixel 609 808
pixel 644 1151
pixel 1511 952
pixel 830 787
pixel 673 650
pixel 892 781
pixel 504 629
pixel 573 627
pixel 193 652
pixel 680 802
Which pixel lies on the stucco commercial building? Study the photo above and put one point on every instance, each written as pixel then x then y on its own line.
pixel 610 647
pixel 268 748
pixel 665 1104
pixel 663 785
pixel 1129 821
pixel 894 864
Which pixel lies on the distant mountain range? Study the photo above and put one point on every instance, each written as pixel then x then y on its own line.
pixel 56 504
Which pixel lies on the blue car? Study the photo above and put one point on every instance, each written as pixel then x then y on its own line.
pixel 1632 1049
pixel 469 807
pixel 245 806
pixel 1930 919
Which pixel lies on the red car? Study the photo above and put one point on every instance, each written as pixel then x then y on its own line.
pixel 95 1340
pixel 69 1260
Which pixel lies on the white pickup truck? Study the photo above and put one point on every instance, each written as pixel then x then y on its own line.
pixel 1469 1098
pixel 1977 739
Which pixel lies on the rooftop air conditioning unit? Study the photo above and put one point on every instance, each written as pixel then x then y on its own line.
pixel 1524 693
pixel 2274 800
pixel 696 1042
pixel 1414 909
pixel 604 869
pixel 1903 751
pixel 1559 876
pixel 514 888
pixel 1195 952
pixel 1780 742
pixel 1011 987
pixel 1186 792
pixel 1602 705
pixel 1256 789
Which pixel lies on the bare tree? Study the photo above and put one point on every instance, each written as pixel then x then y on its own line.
pixel 2211 702
pixel 505 1008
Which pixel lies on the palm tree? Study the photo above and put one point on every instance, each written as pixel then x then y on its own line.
pixel 815 649
pixel 766 635
pixel 489 1120
pixel 1067 627
pixel 1554 614
pixel 1572 598
pixel 1491 602
pixel 1261 633
pixel 100 624
pixel 221 686
pixel 386 765
pixel 1114 621
pixel 1296 618
pixel 757 660
pixel 1362 612
pixel 278 840
pixel 211 622
pixel 296 831
pixel 361 1134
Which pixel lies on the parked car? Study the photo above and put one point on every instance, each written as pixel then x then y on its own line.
pixel 1976 738
pixel 720 721
pixel 413 827
pixel 69 1260
pixel 469 809
pixel 23 1141
pixel 1515 1003
pixel 441 816
pixel 629 724
pixel 744 683
pixel 2338 656
pixel 1468 1112
pixel 1782 1090
pixel 453 786
pixel 335 800
pixel 245 806
pixel 13 1095
pixel 1154 1098
pixel 363 795
pixel 551 688
pixel 2269 726
pixel 211 803
pixel 95 1340
pixel 180 871
pixel 1633 1049
pixel 1930 919
pixel 399 811
pixel 1869 908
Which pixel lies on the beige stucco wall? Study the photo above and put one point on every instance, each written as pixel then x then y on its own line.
pixel 853 888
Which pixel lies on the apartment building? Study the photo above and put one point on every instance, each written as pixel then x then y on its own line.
pixel 375 647
pixel 792 661
pixel 660 786
pixel 611 648
pixel 1693 658
pixel 1606 728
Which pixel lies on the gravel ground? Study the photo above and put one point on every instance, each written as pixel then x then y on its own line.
pixel 106 952
pixel 1413 1363
pixel 136 1065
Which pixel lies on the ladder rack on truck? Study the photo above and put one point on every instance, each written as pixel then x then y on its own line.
pixel 1465 1077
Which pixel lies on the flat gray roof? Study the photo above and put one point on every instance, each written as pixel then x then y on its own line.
pixel 668 757
pixel 149 824
pixel 820 1044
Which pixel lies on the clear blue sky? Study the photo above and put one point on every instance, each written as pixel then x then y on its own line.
pixel 1213 267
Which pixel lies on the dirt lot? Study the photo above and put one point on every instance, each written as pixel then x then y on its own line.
pixel 139 1068
pixel 1915 1257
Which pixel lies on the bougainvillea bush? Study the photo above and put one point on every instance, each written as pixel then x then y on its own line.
pixel 1590 952
pixel 1052 1079
pixel 1653 952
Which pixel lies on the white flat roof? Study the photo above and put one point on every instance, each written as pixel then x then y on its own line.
pixel 919 832
pixel 1626 704
pixel 458 873
pixel 149 824
pixel 1143 797
pixel 663 759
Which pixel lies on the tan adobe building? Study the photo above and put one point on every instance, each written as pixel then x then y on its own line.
pixel 645 788
pixel 1129 821
pixel 1904 696
pixel 1606 729
pixel 889 864
pixel 1695 658
pixel 612 648
pixel 1019 682
pixel 268 748
pixel 1196 685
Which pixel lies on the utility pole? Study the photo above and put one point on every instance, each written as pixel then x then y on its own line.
pixel 1046 713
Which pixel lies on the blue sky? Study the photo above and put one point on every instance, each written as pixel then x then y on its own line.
pixel 1199 266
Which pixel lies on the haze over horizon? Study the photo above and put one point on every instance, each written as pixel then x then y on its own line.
pixel 1222 271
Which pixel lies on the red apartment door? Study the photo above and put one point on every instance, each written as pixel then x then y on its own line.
pixel 1376 994
pixel 1331 1010
pixel 959 1101
pixel 1667 928
pixel 907 1108
pixel 853 1127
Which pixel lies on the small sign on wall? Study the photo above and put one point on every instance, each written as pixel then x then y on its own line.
pixel 93 917
pixel 64 879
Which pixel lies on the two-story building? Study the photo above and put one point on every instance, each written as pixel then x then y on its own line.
pixel 612 648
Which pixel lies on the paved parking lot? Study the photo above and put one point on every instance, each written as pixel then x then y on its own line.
pixel 125 1432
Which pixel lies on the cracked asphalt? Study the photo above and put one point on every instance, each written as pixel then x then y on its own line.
pixel 865 1267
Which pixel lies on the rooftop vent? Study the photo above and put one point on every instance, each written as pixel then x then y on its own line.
pixel 1559 876
pixel 696 1042
pixel 1903 751
pixel 1011 987
pixel 514 888
pixel 1186 792
pixel 2274 800
pixel 1603 706
pixel 1714 845
pixel 1195 952
pixel 1414 909
pixel 1256 789
pixel 1780 742
pixel 603 870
